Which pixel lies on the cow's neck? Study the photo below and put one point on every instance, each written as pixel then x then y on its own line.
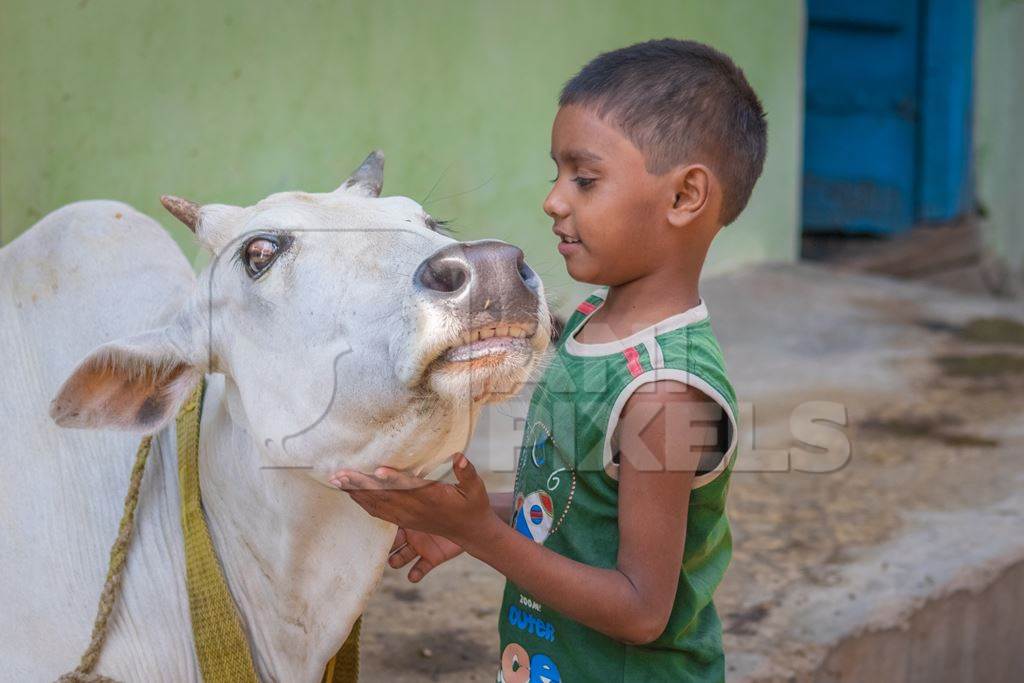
pixel 301 559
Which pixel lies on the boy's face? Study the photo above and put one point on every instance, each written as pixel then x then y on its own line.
pixel 608 211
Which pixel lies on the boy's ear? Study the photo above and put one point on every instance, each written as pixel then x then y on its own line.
pixel 691 186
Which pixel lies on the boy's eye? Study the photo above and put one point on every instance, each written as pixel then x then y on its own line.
pixel 579 180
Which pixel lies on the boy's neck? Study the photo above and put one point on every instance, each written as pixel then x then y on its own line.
pixel 632 306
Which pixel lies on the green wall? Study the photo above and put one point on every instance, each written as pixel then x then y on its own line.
pixel 999 137
pixel 230 101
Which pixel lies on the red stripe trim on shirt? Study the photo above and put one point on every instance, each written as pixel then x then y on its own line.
pixel 633 361
pixel 586 308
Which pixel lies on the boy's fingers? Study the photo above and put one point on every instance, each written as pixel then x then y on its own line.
pixel 393 479
pixel 465 473
pixel 420 569
pixel 401 539
pixel 403 557
pixel 352 480
pixel 340 478
pixel 437 554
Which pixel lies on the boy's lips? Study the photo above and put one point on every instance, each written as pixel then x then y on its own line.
pixel 568 244
pixel 569 248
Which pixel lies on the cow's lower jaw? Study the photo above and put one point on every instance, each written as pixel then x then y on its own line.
pixel 483 348
pixel 458 363
pixel 487 367
pixel 487 370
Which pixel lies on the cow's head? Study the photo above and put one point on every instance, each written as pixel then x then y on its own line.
pixel 345 323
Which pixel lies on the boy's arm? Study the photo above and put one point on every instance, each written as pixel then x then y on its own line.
pixel 501 503
pixel 661 441
pixel 631 602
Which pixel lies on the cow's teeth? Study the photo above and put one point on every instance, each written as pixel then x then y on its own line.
pixel 501 330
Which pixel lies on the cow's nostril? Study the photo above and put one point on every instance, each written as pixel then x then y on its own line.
pixel 527 273
pixel 445 275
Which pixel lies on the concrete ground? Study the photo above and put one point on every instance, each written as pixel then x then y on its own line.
pixel 893 553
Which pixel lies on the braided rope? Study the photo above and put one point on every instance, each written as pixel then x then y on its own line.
pixel 221 658
pixel 115 571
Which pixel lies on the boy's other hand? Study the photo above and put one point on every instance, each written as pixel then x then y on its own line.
pixel 429 550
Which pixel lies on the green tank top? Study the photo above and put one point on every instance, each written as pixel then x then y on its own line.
pixel 566 497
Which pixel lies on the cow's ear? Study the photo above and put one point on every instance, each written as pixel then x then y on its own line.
pixel 133 384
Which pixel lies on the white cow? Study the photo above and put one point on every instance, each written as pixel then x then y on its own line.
pixel 335 329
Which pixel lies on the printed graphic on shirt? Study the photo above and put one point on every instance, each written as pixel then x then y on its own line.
pixel 515 665
pixel 533 515
pixel 539 432
pixel 518 667
pixel 535 626
pixel 527 602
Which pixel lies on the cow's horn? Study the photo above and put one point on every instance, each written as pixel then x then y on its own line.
pixel 185 211
pixel 368 179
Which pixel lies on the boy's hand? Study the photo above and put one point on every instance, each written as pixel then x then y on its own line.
pixel 461 513
pixel 431 550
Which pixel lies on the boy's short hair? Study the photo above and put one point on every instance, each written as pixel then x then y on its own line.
pixel 680 101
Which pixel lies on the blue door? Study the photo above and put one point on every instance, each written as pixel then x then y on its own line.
pixel 886 138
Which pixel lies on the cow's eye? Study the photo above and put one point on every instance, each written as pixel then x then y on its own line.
pixel 437 224
pixel 259 253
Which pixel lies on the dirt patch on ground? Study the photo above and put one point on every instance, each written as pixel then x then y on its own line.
pixel 435 654
pixel 444 628
pixel 944 428
pixel 982 365
pixel 993 331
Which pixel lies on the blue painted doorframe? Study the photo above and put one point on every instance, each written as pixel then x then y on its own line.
pixel 947 88
pixel 888 114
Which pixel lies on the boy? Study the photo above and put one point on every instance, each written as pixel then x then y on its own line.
pixel 616 535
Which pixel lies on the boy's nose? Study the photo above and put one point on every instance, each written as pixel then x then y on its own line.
pixel 554 206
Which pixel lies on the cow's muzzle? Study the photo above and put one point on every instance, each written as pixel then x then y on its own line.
pixel 484 283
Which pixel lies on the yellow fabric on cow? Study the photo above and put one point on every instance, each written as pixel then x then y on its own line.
pixel 220 642
pixel 344 666
pixel 221 646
